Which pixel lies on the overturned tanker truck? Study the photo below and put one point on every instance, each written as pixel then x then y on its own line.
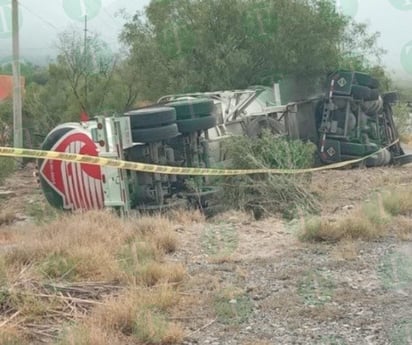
pixel 351 120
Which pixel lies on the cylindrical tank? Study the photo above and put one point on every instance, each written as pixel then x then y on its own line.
pixel 67 185
pixel 370 108
pixel 379 159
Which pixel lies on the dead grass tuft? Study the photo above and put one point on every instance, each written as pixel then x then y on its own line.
pixel 10 336
pixel 140 314
pixel 150 224
pixel 402 227
pixel 155 273
pixel 353 226
pixel 234 217
pixel 159 231
pixel 88 335
pixel 165 241
pixel 7 217
pixel 184 216
pixel 77 246
pixel 346 250
pixel 7 236
pixel 398 202
pixel 85 258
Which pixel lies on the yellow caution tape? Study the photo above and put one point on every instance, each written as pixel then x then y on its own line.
pixel 166 170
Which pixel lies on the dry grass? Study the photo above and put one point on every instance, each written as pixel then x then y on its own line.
pixel 346 250
pixel 234 217
pixel 80 247
pixel 184 216
pixel 138 315
pixel 155 273
pixel 7 217
pixel 398 202
pixel 402 227
pixel 68 267
pixel 405 138
pixel 7 236
pixel 353 226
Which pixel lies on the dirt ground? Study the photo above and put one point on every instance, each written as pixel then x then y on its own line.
pixel 253 282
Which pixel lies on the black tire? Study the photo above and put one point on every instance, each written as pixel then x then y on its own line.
pixel 193 125
pixel 193 108
pixel 152 117
pixel 364 93
pixel 151 135
pixel 366 80
pixel 390 97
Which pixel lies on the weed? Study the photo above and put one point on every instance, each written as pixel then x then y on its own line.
pixel 269 194
pixel 104 250
pixel 11 337
pixel 220 240
pixel 135 254
pixel 402 226
pixel 184 216
pixel 316 288
pixel 356 225
pixel 395 270
pixel 154 273
pixel 346 250
pixel 58 266
pixel 42 212
pixel 153 328
pixel 398 202
pixel 140 314
pixel 7 217
pixel 232 306
pixel 7 167
pixel 87 335
pixel 402 120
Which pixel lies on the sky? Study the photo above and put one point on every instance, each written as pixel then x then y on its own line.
pixel 42 20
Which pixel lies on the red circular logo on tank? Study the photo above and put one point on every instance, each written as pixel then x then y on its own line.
pixel 79 184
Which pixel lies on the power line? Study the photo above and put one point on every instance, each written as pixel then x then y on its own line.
pixel 39 17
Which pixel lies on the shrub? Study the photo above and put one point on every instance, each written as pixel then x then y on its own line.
pixel 398 202
pixel 7 166
pixel 269 193
pixel 401 115
pixel 353 226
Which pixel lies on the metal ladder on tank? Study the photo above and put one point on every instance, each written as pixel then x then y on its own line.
pixel 113 136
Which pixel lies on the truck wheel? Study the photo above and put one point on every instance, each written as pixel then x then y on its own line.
pixel 193 125
pixel 152 117
pixel 151 135
pixel 193 108
pixel 364 79
pixel 390 97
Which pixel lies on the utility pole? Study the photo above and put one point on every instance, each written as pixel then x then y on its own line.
pixel 86 61
pixel 17 103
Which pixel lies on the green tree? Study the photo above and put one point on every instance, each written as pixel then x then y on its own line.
pixel 203 45
pixel 83 78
